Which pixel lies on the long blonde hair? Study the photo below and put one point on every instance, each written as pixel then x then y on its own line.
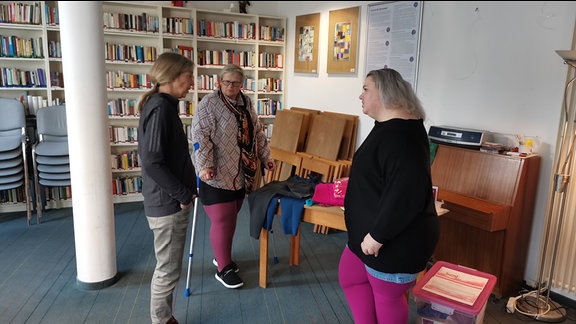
pixel 397 93
pixel 167 67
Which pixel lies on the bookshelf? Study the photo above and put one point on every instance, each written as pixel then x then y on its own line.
pixel 211 39
pixel 135 33
pixel 31 68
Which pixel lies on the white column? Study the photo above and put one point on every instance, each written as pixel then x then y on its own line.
pixel 82 43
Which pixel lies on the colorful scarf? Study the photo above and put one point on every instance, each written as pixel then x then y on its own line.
pixel 246 142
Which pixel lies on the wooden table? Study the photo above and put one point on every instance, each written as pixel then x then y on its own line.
pixel 331 216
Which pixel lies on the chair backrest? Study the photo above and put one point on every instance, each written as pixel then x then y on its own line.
pixel 287 165
pixel 312 165
pixel 51 123
pixel 13 116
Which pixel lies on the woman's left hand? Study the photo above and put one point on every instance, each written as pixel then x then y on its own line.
pixel 370 246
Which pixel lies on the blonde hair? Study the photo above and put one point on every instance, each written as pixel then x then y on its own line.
pixel 396 93
pixel 167 67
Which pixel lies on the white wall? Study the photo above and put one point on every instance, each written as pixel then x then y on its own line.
pixel 483 65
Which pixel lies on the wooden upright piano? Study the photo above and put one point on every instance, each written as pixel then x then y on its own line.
pixel 490 198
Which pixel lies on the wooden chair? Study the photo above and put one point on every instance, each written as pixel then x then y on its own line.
pixel 287 165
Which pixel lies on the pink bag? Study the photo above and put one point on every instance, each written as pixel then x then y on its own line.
pixel 331 193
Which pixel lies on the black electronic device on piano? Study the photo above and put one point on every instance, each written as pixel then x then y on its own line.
pixel 463 137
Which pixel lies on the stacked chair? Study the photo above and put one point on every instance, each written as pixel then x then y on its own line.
pixel 13 148
pixel 50 153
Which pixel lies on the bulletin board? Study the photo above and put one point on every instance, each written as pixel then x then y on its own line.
pixel 393 37
pixel 343 41
pixel 306 49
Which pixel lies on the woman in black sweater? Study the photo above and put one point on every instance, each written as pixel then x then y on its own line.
pixel 389 206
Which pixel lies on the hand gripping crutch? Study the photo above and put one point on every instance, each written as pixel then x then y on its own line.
pixel 191 253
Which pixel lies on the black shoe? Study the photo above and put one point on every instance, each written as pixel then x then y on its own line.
pixel 233 264
pixel 229 278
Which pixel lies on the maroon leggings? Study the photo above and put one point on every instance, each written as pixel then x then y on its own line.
pixel 371 300
pixel 223 217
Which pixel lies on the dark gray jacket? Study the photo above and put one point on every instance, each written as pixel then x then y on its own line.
pixel 168 176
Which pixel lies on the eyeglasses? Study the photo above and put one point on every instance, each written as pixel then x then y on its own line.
pixel 232 83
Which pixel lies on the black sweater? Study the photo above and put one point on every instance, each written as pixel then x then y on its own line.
pixel 389 195
pixel 168 176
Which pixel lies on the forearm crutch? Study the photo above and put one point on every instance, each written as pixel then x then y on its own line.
pixel 191 253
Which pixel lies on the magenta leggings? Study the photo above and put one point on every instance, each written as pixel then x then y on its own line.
pixel 371 300
pixel 223 217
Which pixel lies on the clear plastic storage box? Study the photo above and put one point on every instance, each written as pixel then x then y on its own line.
pixel 450 293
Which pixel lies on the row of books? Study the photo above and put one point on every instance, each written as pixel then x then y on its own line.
pixel 129 107
pixel 12 196
pixel 178 25
pixel 268 128
pixel 122 107
pixel 16 78
pixel 126 185
pixel 125 161
pixel 57 79
pixel 143 23
pixel 268 106
pixel 223 57
pixel 130 53
pixel 14 46
pixel 54 49
pixel 126 80
pixel 34 103
pixel 123 134
pixel 271 60
pixel 270 85
pixel 21 13
pixel 58 193
pixel 271 33
pixel 187 51
pixel 229 29
pixel 52 16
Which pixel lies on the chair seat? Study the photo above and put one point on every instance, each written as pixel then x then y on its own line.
pixel 11 178
pixel 54 183
pixel 51 148
pixel 52 160
pixel 54 168
pixel 54 176
pixel 4 164
pixel 9 143
pixel 11 171
pixel 11 185
pixel 8 155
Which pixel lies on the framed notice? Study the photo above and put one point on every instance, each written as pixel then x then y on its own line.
pixel 306 49
pixel 343 41
pixel 393 39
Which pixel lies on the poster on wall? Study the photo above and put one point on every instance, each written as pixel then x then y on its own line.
pixel 343 41
pixel 393 38
pixel 306 49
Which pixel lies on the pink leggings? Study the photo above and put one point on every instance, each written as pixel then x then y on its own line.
pixel 371 300
pixel 223 217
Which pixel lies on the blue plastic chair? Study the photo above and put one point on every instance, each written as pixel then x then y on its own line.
pixel 13 148
pixel 50 153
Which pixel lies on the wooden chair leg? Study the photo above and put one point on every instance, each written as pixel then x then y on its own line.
pixel 295 249
pixel 263 258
